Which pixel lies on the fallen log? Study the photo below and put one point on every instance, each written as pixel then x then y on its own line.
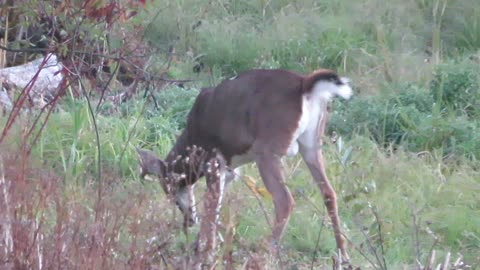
pixel 18 77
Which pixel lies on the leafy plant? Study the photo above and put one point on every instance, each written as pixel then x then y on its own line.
pixel 456 85
pixel 414 119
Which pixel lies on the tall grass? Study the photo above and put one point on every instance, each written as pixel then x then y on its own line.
pixel 121 224
pixel 371 41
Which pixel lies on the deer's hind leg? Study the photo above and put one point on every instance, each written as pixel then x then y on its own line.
pixel 270 169
pixel 310 148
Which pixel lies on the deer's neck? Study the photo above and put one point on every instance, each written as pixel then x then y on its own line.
pixel 179 149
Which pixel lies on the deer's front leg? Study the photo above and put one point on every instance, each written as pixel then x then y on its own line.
pixel 314 159
pixel 270 169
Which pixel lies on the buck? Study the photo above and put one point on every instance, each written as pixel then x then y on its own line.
pixel 258 116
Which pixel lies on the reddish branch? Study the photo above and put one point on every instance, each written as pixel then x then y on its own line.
pixel 19 103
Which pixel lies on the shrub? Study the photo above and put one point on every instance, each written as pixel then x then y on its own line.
pixel 174 103
pixel 456 85
pixel 412 119
pixel 167 114
pixel 387 119
pixel 412 95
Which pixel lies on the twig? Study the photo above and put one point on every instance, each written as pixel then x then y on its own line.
pixel 27 50
pixel 370 246
pixel 359 251
pixel 104 88
pixel 380 234
pixel 446 262
pixel 431 258
pixel 258 200
pixel 97 136
pixel 130 133
pixel 315 251
pixel 415 234
pixel 21 99
pixel 51 106
pixel 149 93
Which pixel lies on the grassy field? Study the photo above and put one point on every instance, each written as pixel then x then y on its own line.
pixel 405 166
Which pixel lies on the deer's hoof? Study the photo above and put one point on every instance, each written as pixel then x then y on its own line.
pixel 343 263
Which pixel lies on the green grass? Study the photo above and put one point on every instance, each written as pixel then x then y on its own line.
pixel 442 193
pixel 385 42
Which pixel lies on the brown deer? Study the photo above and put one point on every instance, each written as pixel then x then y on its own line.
pixel 260 116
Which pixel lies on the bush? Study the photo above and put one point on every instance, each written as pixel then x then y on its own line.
pixel 174 103
pixel 414 120
pixel 456 85
pixel 166 116
pixel 387 119
pixel 453 135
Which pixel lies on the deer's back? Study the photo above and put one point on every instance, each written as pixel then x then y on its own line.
pixel 256 111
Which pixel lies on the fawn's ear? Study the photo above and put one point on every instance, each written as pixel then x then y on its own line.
pixel 150 164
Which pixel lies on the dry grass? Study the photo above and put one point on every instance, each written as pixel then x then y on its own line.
pixel 48 225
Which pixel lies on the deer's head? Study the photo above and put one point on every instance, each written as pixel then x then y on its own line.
pixel 173 184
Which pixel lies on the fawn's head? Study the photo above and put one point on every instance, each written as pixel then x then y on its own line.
pixel 150 165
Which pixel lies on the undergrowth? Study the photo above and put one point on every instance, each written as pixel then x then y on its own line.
pixel 443 115
pixel 131 224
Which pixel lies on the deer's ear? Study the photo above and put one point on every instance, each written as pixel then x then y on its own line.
pixel 150 164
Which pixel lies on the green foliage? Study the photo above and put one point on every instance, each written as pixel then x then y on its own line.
pixel 70 144
pixel 442 117
pixel 227 45
pixel 233 37
pixel 406 184
pixel 174 103
pixel 306 34
pixel 456 85
pixel 387 119
pixel 368 179
pixel 462 33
